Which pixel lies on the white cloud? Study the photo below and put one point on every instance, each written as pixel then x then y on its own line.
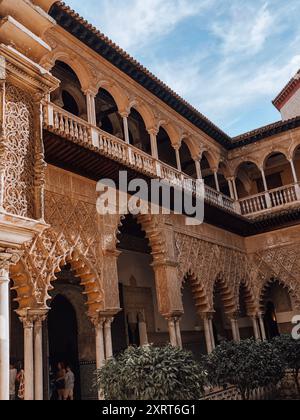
pixel 246 29
pixel 136 23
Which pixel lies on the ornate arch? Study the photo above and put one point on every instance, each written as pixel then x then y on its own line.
pixel 265 288
pixel 198 292
pixel 210 263
pixel 282 264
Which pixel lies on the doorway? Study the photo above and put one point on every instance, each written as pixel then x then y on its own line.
pixel 63 338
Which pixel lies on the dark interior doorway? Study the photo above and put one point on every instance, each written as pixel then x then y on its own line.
pixel 271 324
pixel 63 338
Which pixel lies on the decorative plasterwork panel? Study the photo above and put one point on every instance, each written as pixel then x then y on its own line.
pixel 19 172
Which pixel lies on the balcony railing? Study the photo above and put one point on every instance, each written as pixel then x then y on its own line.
pixel 273 199
pixel 76 129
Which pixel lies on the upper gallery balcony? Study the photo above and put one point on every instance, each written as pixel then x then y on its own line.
pixel 94 120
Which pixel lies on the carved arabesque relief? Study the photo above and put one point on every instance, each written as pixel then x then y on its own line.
pixel 282 264
pixel 210 263
pixel 19 155
pixel 72 238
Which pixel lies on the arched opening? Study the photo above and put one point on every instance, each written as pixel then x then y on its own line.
pixel 139 322
pixel 193 338
pixel 223 305
pixel 69 95
pixel 248 180
pixel 139 137
pixel 207 173
pixel 278 309
pixel 107 115
pixel 71 336
pixel 187 162
pixel 223 183
pixel 278 171
pixel 166 152
pixel 63 338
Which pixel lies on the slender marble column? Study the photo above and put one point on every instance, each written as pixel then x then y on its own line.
pixel 172 332
pixel 126 129
pixel 4 334
pixel 262 327
pixel 178 160
pixel 217 181
pixel 255 328
pixel 108 338
pixel 178 333
pixel 28 357
pixel 38 356
pixel 198 169
pixel 91 107
pixel 153 139
pixel 143 330
pixel 207 333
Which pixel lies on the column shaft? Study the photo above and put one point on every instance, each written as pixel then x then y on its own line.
pixel 126 129
pixel 255 328
pixel 172 332
pixel 38 360
pixel 178 160
pixel 108 339
pixel 294 171
pixel 28 360
pixel 217 181
pixel 178 334
pixel 262 328
pixel 198 169
pixel 207 333
pixel 4 335
pixel 212 336
pixel 91 108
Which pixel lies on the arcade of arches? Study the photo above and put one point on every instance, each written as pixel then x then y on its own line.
pixel 100 283
pixel 79 287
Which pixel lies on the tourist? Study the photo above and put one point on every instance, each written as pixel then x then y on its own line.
pixel 20 380
pixel 69 384
pixel 60 380
pixel 12 381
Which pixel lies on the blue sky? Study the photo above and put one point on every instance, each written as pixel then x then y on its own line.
pixel 228 58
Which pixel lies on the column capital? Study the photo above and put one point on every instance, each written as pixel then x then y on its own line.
pixel 97 320
pixel 124 114
pixel 207 315
pixel 30 318
pixel 152 130
pixel 90 91
pixel 8 257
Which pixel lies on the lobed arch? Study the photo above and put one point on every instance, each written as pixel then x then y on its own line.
pixel 198 291
pixel 84 270
pixel 227 294
pixel 249 297
pixel 285 284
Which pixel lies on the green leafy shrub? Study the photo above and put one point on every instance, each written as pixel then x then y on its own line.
pixel 289 350
pixel 248 365
pixel 152 373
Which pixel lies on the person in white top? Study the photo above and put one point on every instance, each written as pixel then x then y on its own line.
pixel 12 382
pixel 69 384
